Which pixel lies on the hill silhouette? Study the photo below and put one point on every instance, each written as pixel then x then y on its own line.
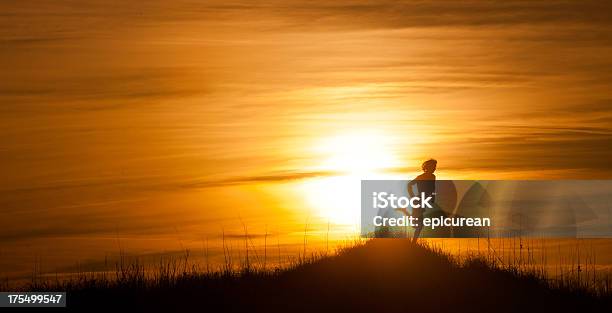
pixel 382 275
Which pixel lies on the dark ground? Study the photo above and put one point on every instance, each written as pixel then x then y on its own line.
pixel 384 275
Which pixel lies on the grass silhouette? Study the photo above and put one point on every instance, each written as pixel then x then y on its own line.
pixel 391 275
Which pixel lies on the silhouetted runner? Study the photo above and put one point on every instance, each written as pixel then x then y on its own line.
pixel 426 183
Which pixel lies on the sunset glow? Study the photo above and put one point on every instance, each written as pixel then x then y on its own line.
pixel 153 125
pixel 358 153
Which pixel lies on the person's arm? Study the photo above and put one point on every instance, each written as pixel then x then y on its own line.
pixel 410 184
pixel 434 186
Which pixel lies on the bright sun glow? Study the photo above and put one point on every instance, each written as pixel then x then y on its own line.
pixel 357 153
pixel 353 156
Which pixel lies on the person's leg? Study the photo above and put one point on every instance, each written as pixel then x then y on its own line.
pixel 417 231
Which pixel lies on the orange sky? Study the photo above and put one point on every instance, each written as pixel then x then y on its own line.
pixel 140 118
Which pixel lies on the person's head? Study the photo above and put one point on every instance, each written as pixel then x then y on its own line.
pixel 429 166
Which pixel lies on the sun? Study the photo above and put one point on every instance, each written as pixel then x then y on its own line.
pixel 351 157
pixel 357 153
